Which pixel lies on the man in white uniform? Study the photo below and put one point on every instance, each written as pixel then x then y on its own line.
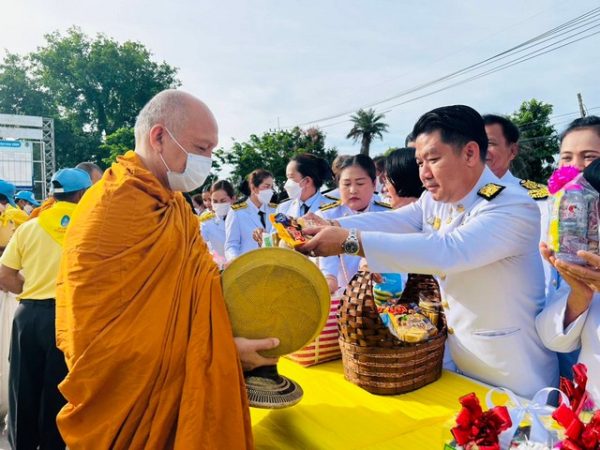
pixel 479 237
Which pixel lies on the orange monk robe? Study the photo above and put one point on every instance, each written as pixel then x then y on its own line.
pixel 141 320
pixel 48 203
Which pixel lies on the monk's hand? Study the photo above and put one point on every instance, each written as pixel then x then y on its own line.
pixel 325 241
pixel 257 235
pixel 248 350
pixel 546 253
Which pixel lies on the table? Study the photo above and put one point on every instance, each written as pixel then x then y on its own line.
pixel 336 414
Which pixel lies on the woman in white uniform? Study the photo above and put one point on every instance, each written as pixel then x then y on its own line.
pixel 305 174
pixel 570 320
pixel 357 178
pixel 212 225
pixel 250 214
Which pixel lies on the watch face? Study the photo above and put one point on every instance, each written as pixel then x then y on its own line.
pixel 351 247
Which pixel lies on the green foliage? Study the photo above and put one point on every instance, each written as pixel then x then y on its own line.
pixel 367 126
pixel 116 144
pixel 90 86
pixel 272 151
pixel 538 144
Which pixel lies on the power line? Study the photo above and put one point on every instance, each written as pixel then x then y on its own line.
pixel 588 19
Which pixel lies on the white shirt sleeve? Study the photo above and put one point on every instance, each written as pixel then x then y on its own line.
pixel 233 236
pixel 482 240
pixel 408 219
pixel 550 324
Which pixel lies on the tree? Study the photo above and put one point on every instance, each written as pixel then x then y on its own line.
pixel 367 126
pixel 272 151
pixel 538 144
pixel 91 87
pixel 116 144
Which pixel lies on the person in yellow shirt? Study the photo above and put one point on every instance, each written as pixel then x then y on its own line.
pixel 10 215
pixel 29 267
pixel 26 201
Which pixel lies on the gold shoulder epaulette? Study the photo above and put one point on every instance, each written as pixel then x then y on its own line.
pixel 330 197
pixel 490 191
pixel 331 205
pixel 273 205
pixel 536 191
pixel 207 216
pixel 384 204
pixel 239 205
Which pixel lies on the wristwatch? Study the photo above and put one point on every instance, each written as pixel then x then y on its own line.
pixel 351 246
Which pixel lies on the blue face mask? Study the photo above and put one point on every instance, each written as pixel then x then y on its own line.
pixel 197 169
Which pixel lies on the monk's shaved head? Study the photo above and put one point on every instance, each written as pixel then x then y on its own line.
pixel 172 124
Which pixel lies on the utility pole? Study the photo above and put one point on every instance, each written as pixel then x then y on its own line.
pixel 580 101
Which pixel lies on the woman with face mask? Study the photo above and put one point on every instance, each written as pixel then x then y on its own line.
pixel 357 187
pixel 305 174
pixel 212 224
pixel 248 215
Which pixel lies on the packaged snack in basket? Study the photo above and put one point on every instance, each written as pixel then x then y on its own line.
pixel 430 306
pixel 288 229
pixel 573 214
pixel 390 287
pixel 411 327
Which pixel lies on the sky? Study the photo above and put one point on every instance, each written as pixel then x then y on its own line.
pixel 265 64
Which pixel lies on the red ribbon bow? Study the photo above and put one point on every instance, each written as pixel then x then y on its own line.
pixel 578 435
pixel 575 390
pixel 475 427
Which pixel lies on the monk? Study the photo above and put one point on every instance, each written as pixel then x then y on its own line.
pixel 140 313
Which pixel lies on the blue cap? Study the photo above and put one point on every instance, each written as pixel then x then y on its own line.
pixel 8 190
pixel 70 180
pixel 28 197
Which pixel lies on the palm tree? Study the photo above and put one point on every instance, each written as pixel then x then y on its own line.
pixel 367 125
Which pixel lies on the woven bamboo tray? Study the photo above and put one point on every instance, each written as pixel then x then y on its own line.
pixel 373 357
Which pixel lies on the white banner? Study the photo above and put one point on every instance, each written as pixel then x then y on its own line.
pixel 21 133
pixel 20 121
pixel 16 163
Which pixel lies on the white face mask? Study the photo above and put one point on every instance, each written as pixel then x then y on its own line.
pixel 264 197
pixel 221 209
pixel 378 186
pixel 197 169
pixel 28 208
pixel 293 189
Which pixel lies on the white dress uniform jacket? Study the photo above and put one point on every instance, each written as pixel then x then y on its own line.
pixel 294 208
pixel 539 193
pixel 240 223
pixel 583 333
pixel 484 251
pixel 212 228
pixel 344 267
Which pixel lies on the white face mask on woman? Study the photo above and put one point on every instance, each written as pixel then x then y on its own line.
pixel 293 189
pixel 264 196
pixel 197 169
pixel 28 209
pixel 221 209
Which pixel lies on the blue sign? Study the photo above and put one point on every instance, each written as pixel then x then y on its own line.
pixel 10 144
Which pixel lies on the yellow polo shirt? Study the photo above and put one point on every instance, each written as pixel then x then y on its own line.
pixel 37 255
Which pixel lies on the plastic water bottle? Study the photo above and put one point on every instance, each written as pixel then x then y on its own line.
pixel 573 224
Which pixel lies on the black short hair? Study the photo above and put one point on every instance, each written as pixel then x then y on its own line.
pixel 509 129
pixel 314 167
pixel 409 138
pixel 257 176
pixel 3 198
pixel 67 196
pixel 362 161
pixel 591 122
pixel 223 185
pixel 402 171
pixel 457 124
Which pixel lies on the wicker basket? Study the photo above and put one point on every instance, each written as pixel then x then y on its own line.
pixel 373 357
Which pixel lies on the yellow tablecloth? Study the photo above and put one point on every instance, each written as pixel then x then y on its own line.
pixel 335 414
